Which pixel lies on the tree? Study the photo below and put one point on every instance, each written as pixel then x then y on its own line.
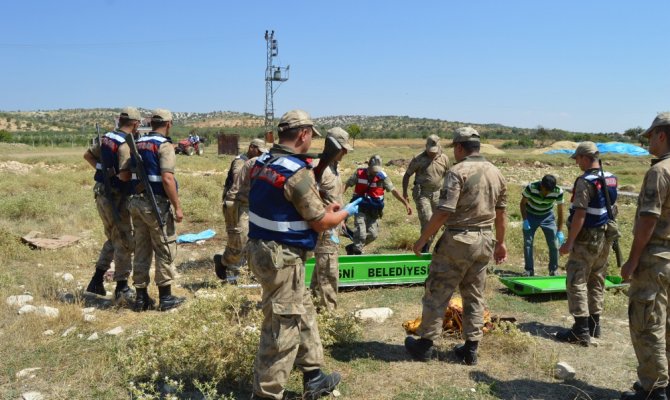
pixel 541 134
pixel 633 133
pixel 354 130
pixel 5 136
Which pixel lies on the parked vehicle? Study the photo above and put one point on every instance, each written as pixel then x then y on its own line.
pixel 194 144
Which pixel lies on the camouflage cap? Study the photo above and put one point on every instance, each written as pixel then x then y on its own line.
pixel 375 163
pixel 465 134
pixel 433 144
pixel 586 149
pixel 341 136
pixel 259 144
pixel 161 114
pixel 295 119
pixel 131 113
pixel 662 119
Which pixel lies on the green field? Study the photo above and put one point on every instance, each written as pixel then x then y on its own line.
pixel 205 349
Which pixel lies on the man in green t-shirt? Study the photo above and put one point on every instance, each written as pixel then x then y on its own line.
pixel 537 210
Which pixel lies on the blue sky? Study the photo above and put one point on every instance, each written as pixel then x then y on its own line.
pixel 591 66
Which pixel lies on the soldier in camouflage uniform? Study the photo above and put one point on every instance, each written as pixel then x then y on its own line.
pixel 111 156
pixel 589 240
pixel 648 268
pixel 235 211
pixel 370 184
pixel 286 215
pixel 326 269
pixel 158 158
pixel 430 167
pixel 472 201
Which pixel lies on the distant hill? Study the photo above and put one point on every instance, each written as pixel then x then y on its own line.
pixel 246 124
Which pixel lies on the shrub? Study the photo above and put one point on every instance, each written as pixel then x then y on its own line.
pixel 404 236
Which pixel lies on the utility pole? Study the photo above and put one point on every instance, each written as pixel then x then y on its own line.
pixel 272 74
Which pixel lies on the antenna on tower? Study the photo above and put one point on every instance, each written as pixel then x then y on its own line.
pixel 273 73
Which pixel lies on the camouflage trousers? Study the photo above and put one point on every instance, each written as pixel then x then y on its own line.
pixel 426 202
pixel 326 273
pixel 585 272
pixel 119 244
pixel 459 262
pixel 149 242
pixel 236 216
pixel 366 229
pixel 648 312
pixel 289 332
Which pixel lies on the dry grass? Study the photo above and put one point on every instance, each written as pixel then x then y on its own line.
pixel 206 345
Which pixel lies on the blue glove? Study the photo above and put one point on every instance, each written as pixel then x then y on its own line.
pixel 561 238
pixel 526 225
pixel 352 208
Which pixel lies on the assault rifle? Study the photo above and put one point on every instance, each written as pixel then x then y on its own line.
pixel 145 186
pixel 106 173
pixel 610 214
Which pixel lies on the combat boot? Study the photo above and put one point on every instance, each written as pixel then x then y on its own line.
pixel 142 301
pixel 219 268
pixel 654 394
pixel 420 350
pixel 637 386
pixel 425 248
pixel 350 249
pixel 166 301
pixel 96 286
pixel 467 352
pixel 316 384
pixel 123 292
pixel 579 333
pixel 594 325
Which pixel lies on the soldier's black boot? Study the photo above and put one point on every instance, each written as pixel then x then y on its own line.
pixel 420 349
pixel 349 248
pixel 594 325
pixel 219 268
pixel 425 248
pixel 467 352
pixel 655 394
pixel 637 386
pixel 166 301
pixel 96 285
pixel 124 292
pixel 316 384
pixel 579 333
pixel 142 301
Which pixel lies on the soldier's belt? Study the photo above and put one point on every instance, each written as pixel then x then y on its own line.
pixel 471 229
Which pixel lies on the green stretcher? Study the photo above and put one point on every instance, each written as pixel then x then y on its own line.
pixel 404 269
pixel 378 269
pixel 524 286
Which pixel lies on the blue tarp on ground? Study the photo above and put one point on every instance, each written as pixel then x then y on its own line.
pixel 194 237
pixel 610 147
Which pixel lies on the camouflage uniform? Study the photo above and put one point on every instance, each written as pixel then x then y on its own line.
pixel 648 308
pixel 236 215
pixel 326 269
pixel 148 238
pixel 587 263
pixel 366 221
pixel 289 332
pixel 428 181
pixel 473 190
pixel 119 244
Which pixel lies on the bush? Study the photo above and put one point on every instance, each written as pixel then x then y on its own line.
pixel 404 236
pixel 338 328
pixel 213 339
pixel 5 136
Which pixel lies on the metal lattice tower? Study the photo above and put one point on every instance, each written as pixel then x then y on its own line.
pixel 272 74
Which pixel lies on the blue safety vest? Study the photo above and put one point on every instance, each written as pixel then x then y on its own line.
pixel 109 148
pixel 596 212
pixel 148 147
pixel 271 216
